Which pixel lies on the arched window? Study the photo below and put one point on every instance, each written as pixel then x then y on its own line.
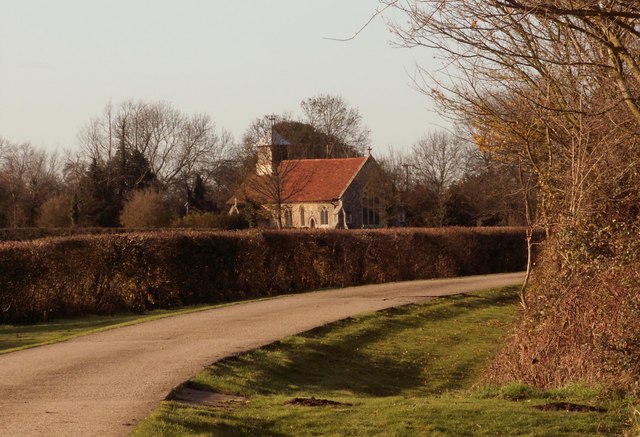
pixel 370 211
pixel 288 217
pixel 302 220
pixel 324 216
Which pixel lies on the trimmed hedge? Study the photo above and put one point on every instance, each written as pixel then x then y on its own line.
pixel 69 276
pixel 27 234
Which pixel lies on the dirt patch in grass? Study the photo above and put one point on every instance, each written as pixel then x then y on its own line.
pixel 568 406
pixel 313 402
pixel 209 399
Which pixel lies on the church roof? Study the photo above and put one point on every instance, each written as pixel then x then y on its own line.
pixel 314 180
pixel 307 180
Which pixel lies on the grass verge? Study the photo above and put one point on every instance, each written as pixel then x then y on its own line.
pixel 402 372
pixel 17 337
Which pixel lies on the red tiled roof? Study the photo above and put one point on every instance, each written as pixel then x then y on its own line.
pixel 309 180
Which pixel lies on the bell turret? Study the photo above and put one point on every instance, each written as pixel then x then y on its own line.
pixel 272 150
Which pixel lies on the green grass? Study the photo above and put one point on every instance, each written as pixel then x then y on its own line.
pixel 412 371
pixel 17 337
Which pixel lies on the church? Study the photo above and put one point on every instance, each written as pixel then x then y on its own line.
pixel 340 193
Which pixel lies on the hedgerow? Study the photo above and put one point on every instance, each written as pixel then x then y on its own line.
pixel 580 324
pixel 99 274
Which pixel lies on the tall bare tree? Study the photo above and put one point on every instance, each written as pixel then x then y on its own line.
pixel 552 87
pixel 176 146
pixel 343 126
pixel 29 176
pixel 151 141
pixel 540 82
pixel 439 159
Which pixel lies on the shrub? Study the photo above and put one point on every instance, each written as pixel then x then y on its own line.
pixel 54 213
pixel 210 220
pixel 145 209
pixel 196 220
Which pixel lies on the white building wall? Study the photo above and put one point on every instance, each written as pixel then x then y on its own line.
pixel 313 211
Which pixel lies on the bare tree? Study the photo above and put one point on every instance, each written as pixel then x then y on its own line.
pixel 439 159
pixel 176 146
pixel 331 115
pixel 551 87
pixel 491 186
pixel 545 84
pixel 135 144
pixel 29 177
pixel 277 179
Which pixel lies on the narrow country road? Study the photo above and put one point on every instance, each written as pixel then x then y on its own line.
pixel 103 384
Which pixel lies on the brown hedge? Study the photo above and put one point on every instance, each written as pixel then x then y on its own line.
pixel 27 234
pixel 579 326
pixel 69 276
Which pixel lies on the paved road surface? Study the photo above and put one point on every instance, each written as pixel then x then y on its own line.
pixel 103 384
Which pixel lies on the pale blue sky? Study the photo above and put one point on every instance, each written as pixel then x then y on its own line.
pixel 62 61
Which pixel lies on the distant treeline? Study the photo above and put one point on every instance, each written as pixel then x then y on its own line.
pixel 149 165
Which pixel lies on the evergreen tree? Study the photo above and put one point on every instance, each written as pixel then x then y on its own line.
pixel 196 196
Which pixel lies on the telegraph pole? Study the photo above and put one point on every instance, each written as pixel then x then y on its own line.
pixel 406 177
